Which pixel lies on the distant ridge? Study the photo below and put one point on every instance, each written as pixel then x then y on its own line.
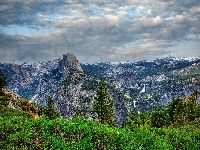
pixel 190 59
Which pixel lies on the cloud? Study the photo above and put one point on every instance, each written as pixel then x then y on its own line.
pixel 96 28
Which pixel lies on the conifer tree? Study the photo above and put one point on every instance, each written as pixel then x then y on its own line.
pixel 103 105
pixel 132 120
pixel 3 82
pixel 182 110
pixel 80 113
pixel 195 94
pixel 171 109
pixel 157 119
pixel 191 106
pixel 179 112
pixel 50 111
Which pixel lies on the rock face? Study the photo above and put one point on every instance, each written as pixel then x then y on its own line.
pixel 163 79
pixel 73 86
pixel 64 80
pixel 120 107
pixel 69 61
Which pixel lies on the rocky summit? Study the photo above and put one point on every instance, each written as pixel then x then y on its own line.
pixel 69 61
pixel 64 80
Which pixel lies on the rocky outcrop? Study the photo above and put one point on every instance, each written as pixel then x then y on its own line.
pixel 69 61
pixel 14 102
pixel 73 88
pixel 64 80
pixel 120 108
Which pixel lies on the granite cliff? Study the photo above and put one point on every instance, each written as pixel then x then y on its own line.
pixel 64 80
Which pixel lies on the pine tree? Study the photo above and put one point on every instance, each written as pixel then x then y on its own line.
pixel 171 109
pixel 195 94
pixel 103 105
pixel 3 82
pixel 191 106
pixel 179 112
pixel 50 111
pixel 157 119
pixel 80 113
pixel 132 120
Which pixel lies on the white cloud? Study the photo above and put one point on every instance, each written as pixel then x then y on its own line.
pixel 93 27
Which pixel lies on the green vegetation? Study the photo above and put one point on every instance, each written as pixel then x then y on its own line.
pixel 18 131
pixel 177 126
pixel 103 105
pixel 49 110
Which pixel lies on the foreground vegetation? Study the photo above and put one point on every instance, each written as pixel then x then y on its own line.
pixel 23 126
pixel 18 131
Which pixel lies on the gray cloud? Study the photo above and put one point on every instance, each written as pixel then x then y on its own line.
pixel 96 29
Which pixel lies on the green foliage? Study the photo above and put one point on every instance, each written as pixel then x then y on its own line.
pixel 18 131
pixel 132 120
pixel 79 113
pixel 50 111
pixel 103 105
pixel 4 100
pixel 157 119
pixel 182 110
pixel 143 118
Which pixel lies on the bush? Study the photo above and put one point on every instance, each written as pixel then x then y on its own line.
pixel 18 131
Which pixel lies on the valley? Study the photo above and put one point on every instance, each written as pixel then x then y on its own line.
pixel 148 84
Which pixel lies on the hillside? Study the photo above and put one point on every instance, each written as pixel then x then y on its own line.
pixel 145 84
pixel 19 131
pixel 151 83
pixel 11 101
pixel 175 126
pixel 63 80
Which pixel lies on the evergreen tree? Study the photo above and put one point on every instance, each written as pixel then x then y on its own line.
pixel 132 120
pixel 80 113
pixel 191 107
pixel 170 110
pixel 157 119
pixel 179 112
pixel 143 118
pixel 3 82
pixel 103 105
pixel 195 94
pixel 182 110
pixel 50 111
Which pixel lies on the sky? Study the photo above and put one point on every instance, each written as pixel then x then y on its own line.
pixel 98 30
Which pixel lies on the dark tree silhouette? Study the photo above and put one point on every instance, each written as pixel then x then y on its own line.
pixel 3 82
pixel 103 105
pixel 50 111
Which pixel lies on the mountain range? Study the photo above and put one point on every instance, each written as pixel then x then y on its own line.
pixel 142 85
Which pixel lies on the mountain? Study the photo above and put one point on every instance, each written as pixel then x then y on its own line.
pixel 152 84
pixel 142 85
pixel 64 80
